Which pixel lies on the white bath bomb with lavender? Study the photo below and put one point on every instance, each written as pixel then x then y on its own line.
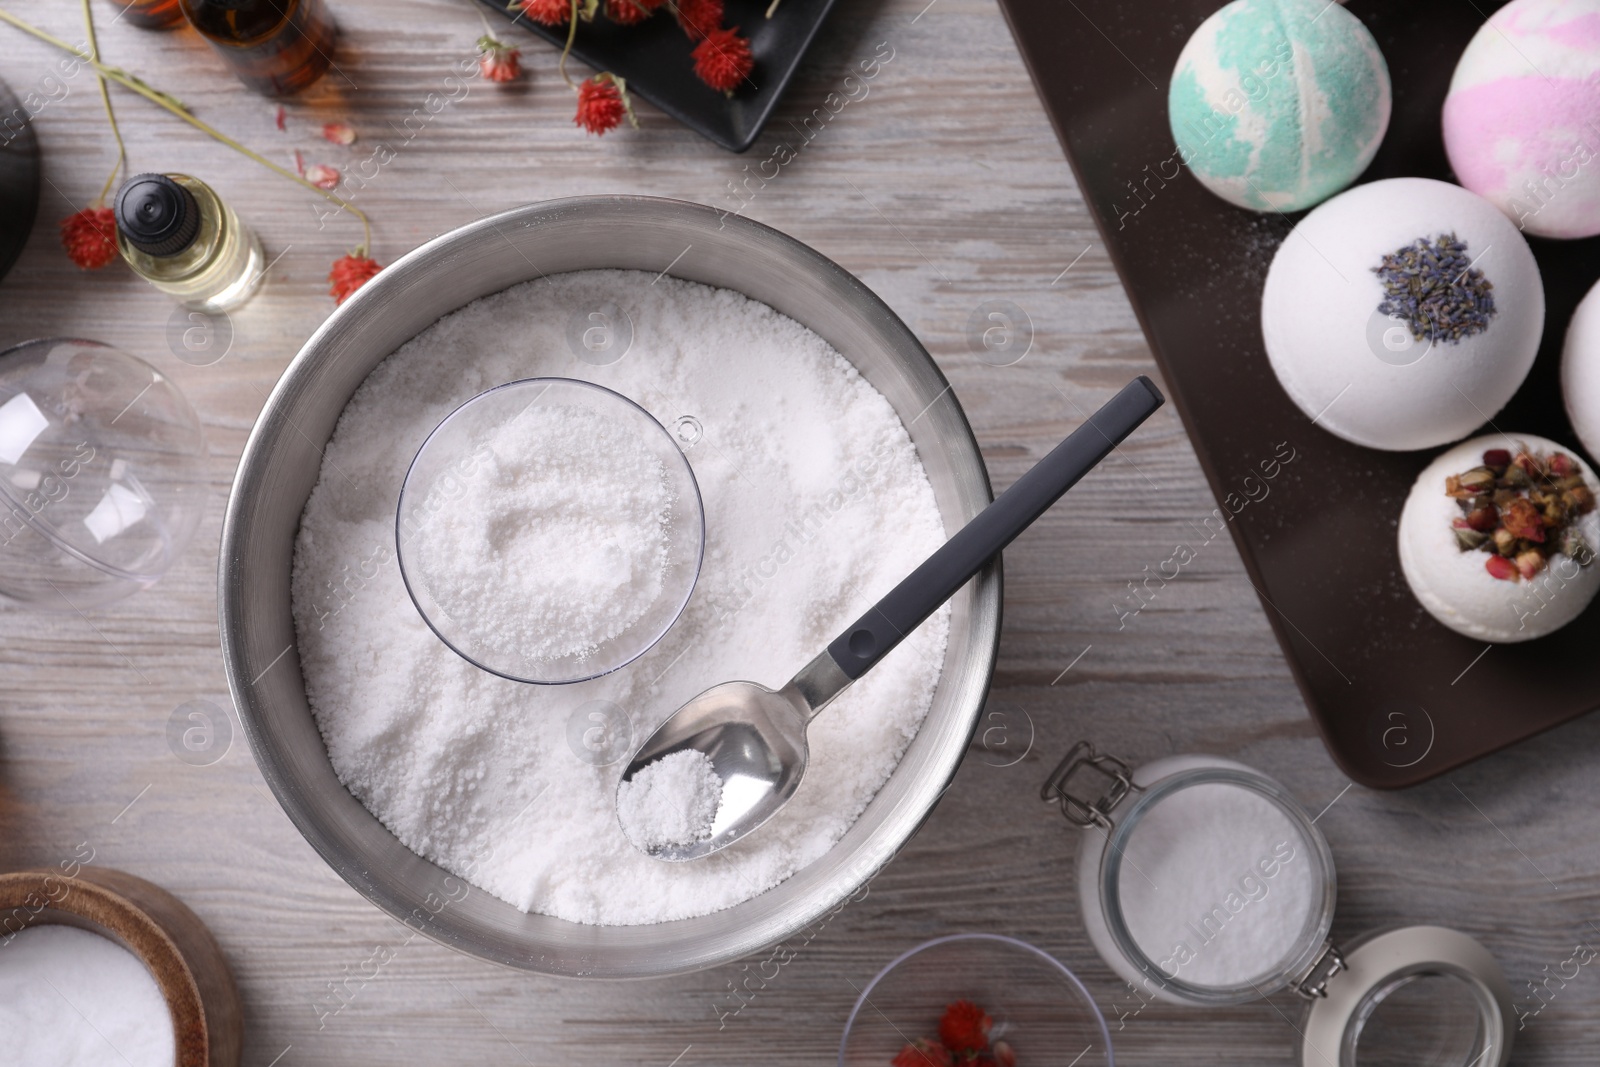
pixel 1402 314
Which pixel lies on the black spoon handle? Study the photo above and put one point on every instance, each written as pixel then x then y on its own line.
pixel 886 623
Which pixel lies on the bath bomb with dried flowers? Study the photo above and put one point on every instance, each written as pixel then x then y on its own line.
pixel 1498 536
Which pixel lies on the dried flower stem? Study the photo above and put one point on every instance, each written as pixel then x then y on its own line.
pixel 171 104
pixel 105 98
pixel 572 35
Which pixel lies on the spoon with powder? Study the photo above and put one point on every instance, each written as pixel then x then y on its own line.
pixel 729 759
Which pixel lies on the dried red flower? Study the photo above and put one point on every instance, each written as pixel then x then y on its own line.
pixel 339 133
pixel 90 237
pixel 498 61
pixel 279 117
pixel 1501 568
pixel 722 60
pixel 602 104
pixel 964 1028
pixel 922 1053
pixel 544 12
pixel 630 12
pixel 699 17
pixel 349 274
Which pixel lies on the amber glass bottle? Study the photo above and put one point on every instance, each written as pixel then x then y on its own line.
pixel 150 14
pixel 276 47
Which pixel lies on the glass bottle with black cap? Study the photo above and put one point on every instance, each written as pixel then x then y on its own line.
pixel 181 238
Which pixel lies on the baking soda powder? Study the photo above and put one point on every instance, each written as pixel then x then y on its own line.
pixel 815 504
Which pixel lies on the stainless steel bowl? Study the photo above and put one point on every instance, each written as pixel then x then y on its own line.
pixel 280 465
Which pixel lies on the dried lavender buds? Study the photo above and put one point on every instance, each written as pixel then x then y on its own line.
pixel 1432 287
pixel 1522 510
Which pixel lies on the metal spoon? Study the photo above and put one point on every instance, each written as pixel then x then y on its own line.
pixel 756 738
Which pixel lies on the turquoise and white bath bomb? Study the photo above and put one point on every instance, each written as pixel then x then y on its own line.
pixel 1278 104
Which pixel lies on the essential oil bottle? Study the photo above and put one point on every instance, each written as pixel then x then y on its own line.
pixel 149 14
pixel 276 47
pixel 177 235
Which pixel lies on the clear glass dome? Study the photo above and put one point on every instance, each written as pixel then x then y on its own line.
pixel 102 474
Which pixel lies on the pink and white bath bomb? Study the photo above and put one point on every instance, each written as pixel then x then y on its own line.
pixel 1522 119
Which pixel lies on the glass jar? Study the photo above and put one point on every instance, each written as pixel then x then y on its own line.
pixel 1204 882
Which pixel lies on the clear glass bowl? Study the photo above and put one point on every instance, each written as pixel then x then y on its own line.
pixel 476 459
pixel 102 474
pixel 1039 1007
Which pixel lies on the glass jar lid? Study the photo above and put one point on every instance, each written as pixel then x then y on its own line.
pixel 1418 996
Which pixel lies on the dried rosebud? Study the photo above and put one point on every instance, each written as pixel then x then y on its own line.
pixel 1561 465
pixel 1501 568
pixel 339 133
pixel 1497 458
pixel 1574 547
pixel 1521 519
pixel 1530 464
pixel 1004 1054
pixel 90 237
pixel 1530 563
pixel 1484 519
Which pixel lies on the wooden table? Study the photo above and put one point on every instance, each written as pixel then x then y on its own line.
pixel 942 188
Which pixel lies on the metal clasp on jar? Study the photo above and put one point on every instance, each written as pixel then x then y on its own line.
pixel 1313 982
pixel 1078 810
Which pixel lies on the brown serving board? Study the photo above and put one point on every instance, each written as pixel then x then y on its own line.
pixel 1398 697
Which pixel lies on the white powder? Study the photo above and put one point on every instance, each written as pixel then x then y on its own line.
pixel 1217 885
pixel 670 802
pixel 71 998
pixel 555 542
pixel 816 505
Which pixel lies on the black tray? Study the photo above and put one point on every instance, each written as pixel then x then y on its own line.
pixel 19 179
pixel 653 57
pixel 1398 697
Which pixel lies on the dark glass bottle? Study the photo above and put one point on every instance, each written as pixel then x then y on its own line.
pixel 150 14
pixel 276 47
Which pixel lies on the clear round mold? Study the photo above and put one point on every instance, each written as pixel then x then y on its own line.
pixel 102 474
pixel 463 453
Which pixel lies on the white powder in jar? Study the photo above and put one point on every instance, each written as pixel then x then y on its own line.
pixel 816 505
pixel 554 544
pixel 71 998
pixel 1217 885
pixel 671 801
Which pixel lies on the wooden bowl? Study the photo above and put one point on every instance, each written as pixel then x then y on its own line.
pixel 157 927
